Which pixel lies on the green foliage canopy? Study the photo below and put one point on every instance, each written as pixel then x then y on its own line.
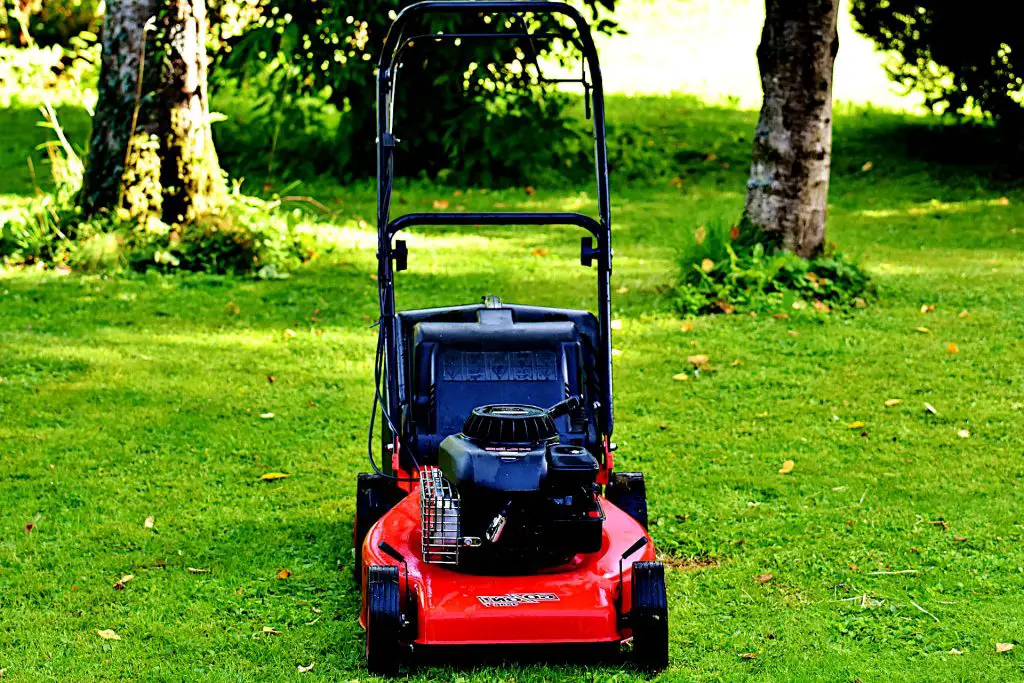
pixel 475 109
pixel 959 55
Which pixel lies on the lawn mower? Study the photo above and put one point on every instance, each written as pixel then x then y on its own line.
pixel 496 517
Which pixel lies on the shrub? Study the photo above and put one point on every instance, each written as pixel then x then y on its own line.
pixel 961 56
pixel 731 269
pixel 458 107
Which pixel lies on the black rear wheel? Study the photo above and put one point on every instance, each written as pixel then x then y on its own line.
pixel 648 616
pixel 628 492
pixel 375 495
pixel 383 621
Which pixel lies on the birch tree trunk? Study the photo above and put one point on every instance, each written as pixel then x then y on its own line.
pixel 152 148
pixel 788 187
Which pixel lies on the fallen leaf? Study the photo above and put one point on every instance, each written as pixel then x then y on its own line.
pixel 622 290
pixel 725 307
pixel 781 316
pixel 964 434
pixel 1004 647
pixel 271 379
pixel 821 307
pixel 271 631
pixel 922 330
pixel 951 347
pixel 855 425
pixel 616 325
pixel 748 655
pixel 893 402
pixel 942 523
pixel 440 204
pixel 927 308
pixel 866 166
pixel 711 157
pixel 960 539
pixel 124 579
pixel 108 634
pixel 231 308
pixel 954 651
pixel 700 234
pixel 315 610
pixel 734 232
pixel 793 333
pixel 854 567
pixel 283 574
pixel 681 377
pixel 529 190
pixel 196 570
pixel 930 408
pixel 274 476
pixel 305 669
pixel 29 527
pixel 616 352
pixel 267 416
pixel 786 468
pixel 697 360
pixel 860 303
pixel 290 334
pixel 373 276
pixel 737 362
pixel 963 314
pixel 1003 201
pixel 540 251
pixel 677 182
pixel 707 265
pixel 687 326
pixel 764 578
pixel 148 524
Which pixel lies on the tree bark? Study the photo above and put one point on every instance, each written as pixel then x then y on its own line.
pixel 788 187
pixel 153 100
pixel 113 124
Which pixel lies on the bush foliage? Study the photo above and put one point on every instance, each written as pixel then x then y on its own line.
pixel 960 56
pixel 461 110
pixel 731 269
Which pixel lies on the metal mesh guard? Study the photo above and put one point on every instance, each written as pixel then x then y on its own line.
pixel 439 515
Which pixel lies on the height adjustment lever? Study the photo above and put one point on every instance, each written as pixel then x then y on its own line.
pixel 588 251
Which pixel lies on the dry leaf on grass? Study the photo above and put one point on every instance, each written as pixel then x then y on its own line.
pixel 764 578
pixel 283 574
pixel 266 416
pixel 930 408
pixel 963 314
pixel 821 307
pixel 860 303
pixel 954 651
pixel 922 330
pixel 866 166
pixel 440 204
pixel 681 377
pixel 734 232
pixel 787 467
pixel 271 631
pixel 707 265
pixel 622 290
pixel 700 234
pixel 951 347
pixel 737 362
pixel 1003 201
pixel 793 333
pixel 964 434
pixel 231 308
pixel 927 308
pixel 148 524
pixel 274 476
pixel 697 360
pixel 616 352
pixel 855 425
pixel 616 325
pixel 748 655
pixel 196 570
pixel 305 669
pixel 1004 647
pixel 687 326
pixel 893 402
pixel 289 334
pixel 540 251
pixel 119 586
pixel 781 316
pixel 108 634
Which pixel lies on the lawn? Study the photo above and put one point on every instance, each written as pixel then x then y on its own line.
pixel 889 545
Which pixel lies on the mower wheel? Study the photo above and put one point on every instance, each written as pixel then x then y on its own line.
pixel 383 620
pixel 628 492
pixel 375 495
pixel 649 616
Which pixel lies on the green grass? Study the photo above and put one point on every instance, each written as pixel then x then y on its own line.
pixel 126 397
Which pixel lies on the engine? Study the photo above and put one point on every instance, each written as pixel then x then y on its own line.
pixel 508 496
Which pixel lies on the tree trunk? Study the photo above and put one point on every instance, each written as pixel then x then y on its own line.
pixel 788 187
pixel 152 149
pixel 190 173
pixel 113 124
